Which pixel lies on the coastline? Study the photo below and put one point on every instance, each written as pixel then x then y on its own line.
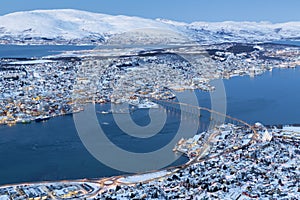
pixel 145 104
pixel 79 188
pixel 236 75
pixel 79 81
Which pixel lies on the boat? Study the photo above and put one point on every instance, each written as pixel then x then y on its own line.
pixel 147 104
pixel 42 118
pixel 105 112
pixel 23 120
pixel 26 121
pixel 11 122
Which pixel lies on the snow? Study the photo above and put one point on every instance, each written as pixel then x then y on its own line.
pixel 247 31
pixel 30 62
pixel 71 24
pixel 68 24
pixel 4 197
pixel 291 128
pixel 143 177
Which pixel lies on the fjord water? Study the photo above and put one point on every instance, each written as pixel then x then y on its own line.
pixel 272 98
pixel 28 51
pixel 53 151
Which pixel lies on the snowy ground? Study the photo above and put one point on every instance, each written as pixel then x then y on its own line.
pixel 30 62
pixel 143 177
pixel 291 128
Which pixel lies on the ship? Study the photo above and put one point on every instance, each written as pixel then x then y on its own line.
pixel 42 118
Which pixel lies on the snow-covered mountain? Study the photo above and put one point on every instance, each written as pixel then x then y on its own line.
pixel 65 26
pixel 245 31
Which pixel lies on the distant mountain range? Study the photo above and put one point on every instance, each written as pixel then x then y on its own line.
pixel 80 27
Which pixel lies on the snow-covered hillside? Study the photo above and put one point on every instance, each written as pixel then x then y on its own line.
pixel 245 31
pixel 65 26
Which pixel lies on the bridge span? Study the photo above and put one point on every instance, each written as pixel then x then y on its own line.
pixel 216 118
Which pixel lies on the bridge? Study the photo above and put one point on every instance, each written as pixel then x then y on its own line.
pixel 216 118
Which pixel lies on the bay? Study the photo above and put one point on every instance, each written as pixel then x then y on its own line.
pixel 53 150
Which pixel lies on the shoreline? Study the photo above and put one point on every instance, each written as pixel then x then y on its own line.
pixel 236 73
pixel 121 76
pixel 102 185
pixel 45 117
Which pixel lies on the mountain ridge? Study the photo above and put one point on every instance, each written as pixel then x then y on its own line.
pixel 77 26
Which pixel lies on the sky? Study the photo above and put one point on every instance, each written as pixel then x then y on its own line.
pixel 179 10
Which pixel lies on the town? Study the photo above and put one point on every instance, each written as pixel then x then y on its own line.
pixel 38 89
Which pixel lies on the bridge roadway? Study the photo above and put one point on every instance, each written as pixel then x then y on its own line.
pixel 196 110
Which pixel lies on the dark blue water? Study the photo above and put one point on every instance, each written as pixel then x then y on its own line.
pixel 29 51
pixel 272 98
pixel 53 150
